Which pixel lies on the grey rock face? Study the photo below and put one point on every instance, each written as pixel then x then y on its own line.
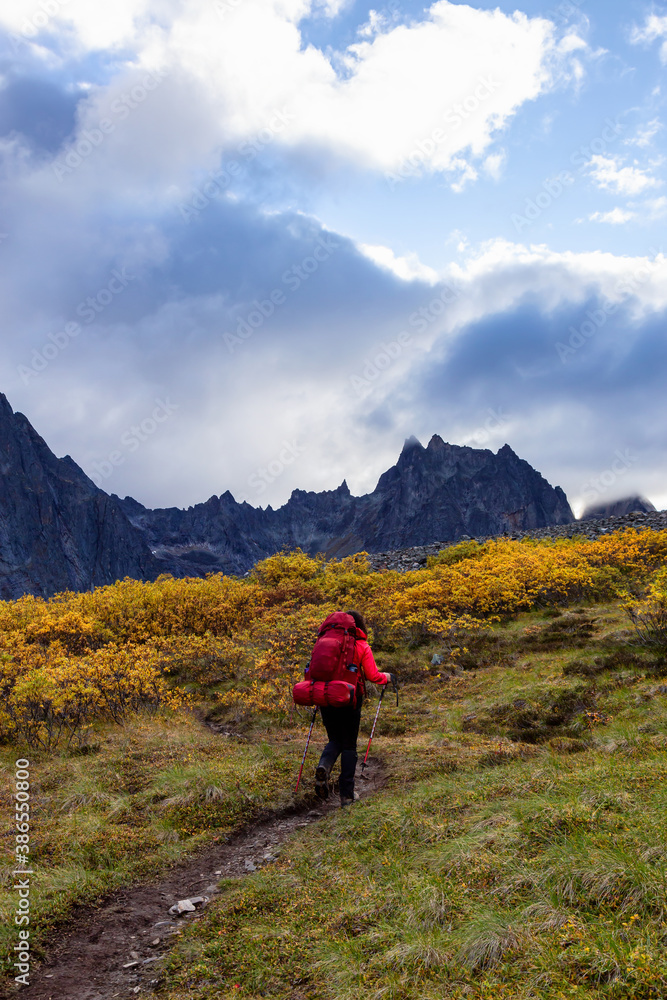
pixel 442 491
pixel 617 508
pixel 58 531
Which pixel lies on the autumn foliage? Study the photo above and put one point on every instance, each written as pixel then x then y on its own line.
pixel 79 659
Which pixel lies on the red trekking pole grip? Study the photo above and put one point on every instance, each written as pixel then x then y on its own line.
pixel 303 759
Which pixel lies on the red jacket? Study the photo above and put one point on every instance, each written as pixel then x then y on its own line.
pixel 363 657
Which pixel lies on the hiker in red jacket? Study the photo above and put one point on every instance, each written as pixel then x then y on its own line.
pixel 342 724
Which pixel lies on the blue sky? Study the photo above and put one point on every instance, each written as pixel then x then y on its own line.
pixel 253 245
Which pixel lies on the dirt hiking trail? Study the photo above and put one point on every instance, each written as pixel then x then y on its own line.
pixel 117 948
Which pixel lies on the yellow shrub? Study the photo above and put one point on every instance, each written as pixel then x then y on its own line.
pixel 286 566
pixel 78 658
pixel 57 699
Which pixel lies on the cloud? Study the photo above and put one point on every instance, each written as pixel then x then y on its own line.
pixel 494 164
pixel 566 412
pixel 407 267
pixel 645 211
pixel 609 175
pixel 656 207
pixel 654 27
pixel 430 95
pixel 466 172
pixel 645 134
pixel 615 217
pixel 361 348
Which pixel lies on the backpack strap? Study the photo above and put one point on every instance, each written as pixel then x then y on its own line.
pixel 351 630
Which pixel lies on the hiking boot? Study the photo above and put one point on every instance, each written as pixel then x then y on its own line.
pixel 321 782
pixel 346 801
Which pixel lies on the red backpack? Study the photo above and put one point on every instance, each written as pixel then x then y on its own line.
pixel 332 676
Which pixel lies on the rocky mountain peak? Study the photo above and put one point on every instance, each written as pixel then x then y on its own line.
pixel 411 445
pixel 437 444
pixel 617 508
pixel 59 531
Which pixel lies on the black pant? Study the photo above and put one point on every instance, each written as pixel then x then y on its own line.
pixel 342 726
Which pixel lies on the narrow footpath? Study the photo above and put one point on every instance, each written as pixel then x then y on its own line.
pixel 116 949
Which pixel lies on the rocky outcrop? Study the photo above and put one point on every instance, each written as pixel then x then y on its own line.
pixel 416 557
pixel 445 491
pixel 442 491
pixel 617 508
pixel 58 531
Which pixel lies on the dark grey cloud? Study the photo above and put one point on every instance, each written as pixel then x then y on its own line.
pixel 562 354
pixel 568 388
pixel 38 110
pixel 201 346
pixel 156 304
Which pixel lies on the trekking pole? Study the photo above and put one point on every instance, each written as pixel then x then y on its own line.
pixel 394 684
pixel 375 721
pixel 303 759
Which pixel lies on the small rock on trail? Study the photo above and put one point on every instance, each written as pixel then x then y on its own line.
pixel 109 951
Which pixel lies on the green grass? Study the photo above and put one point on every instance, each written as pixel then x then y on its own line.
pixel 146 794
pixel 518 850
pixel 488 867
pixel 517 881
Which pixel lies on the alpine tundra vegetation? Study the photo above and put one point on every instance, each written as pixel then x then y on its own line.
pixel 515 848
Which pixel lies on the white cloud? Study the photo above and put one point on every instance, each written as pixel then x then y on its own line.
pixel 330 8
pixel 656 207
pixel 573 43
pixel 105 26
pixel 500 274
pixel 466 172
pixel 428 95
pixel 654 27
pixel 494 164
pixel 407 267
pixel 609 175
pixel 645 134
pixel 378 21
pixel 616 217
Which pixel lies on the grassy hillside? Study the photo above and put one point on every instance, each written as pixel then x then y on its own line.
pixel 518 847
pixel 489 867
